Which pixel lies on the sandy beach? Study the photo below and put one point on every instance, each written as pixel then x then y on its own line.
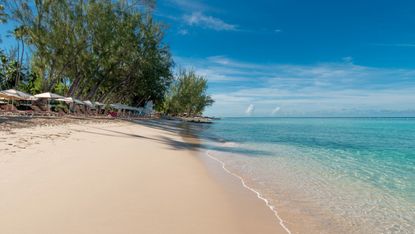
pixel 119 177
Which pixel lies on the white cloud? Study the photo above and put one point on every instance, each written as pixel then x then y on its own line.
pixel 210 22
pixel 250 110
pixel 183 32
pixel 337 87
pixel 275 110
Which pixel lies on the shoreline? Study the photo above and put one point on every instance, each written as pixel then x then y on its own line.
pixel 91 185
pixel 203 153
pixel 258 194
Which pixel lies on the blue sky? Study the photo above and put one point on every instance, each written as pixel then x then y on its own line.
pixel 296 57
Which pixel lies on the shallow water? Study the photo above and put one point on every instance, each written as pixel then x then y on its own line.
pixel 343 175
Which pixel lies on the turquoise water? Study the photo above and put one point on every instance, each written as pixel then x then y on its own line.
pixel 343 175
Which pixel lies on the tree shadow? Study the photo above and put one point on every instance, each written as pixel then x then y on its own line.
pixel 193 137
pixel 21 121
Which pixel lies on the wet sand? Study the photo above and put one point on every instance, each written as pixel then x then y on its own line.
pixel 119 177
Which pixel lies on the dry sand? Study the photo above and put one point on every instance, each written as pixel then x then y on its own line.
pixel 118 178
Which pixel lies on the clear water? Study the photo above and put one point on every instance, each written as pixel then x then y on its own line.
pixel 334 175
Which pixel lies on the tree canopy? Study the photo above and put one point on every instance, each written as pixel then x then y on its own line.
pixel 3 15
pixel 187 95
pixel 102 50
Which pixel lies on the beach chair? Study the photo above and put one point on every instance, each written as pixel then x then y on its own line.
pixel 38 111
pixel 14 111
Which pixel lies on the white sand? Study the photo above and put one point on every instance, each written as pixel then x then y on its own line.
pixel 118 178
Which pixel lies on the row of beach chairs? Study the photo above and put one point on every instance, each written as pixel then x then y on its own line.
pixel 42 111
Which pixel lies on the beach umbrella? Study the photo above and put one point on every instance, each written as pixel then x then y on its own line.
pixel 116 106
pixel 120 106
pixel 99 104
pixel 89 104
pixel 4 95
pixel 71 100
pixel 49 96
pixel 20 94
pixel 10 96
pixel 67 100
pixel 79 102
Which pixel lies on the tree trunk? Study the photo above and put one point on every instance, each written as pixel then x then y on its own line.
pixel 74 86
pixel 94 90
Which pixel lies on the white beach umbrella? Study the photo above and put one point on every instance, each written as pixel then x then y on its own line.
pixel 7 96
pixel 71 100
pixel 22 95
pixel 117 106
pixel 10 96
pixel 49 95
pixel 67 100
pixel 78 102
pixel 99 104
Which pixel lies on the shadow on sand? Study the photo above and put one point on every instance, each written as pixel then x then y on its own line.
pixel 191 133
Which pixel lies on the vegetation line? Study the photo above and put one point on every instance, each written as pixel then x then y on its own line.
pixel 100 50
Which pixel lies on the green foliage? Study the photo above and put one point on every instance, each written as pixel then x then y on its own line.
pixel 102 50
pixel 3 15
pixel 108 51
pixel 187 95
pixel 32 84
pixel 10 70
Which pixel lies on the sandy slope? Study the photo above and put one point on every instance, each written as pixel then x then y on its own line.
pixel 118 178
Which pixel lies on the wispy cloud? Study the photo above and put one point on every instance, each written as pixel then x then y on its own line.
pixel 196 14
pixel 210 22
pixel 183 31
pixel 335 87
pixel 250 110
pixel 275 110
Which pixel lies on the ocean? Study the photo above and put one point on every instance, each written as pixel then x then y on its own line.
pixel 332 175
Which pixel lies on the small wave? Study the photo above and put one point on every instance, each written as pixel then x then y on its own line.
pixel 230 144
pixel 259 195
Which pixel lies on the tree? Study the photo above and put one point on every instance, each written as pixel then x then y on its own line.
pixel 10 71
pixel 102 50
pixel 3 15
pixel 187 95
